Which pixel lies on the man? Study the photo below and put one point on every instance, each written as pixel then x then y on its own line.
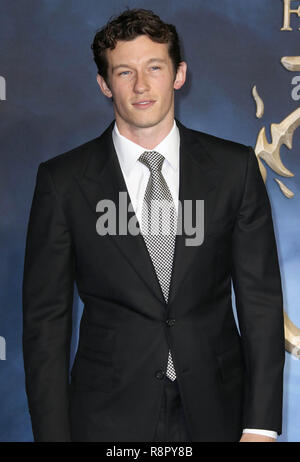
pixel 159 356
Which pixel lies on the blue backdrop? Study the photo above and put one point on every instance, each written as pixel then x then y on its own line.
pixel 52 103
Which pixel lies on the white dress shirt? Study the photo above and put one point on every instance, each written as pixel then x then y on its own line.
pixel 136 176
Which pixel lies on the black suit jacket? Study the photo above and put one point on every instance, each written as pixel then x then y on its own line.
pixel 227 381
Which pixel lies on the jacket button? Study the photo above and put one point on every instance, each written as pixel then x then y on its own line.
pixel 159 374
pixel 170 322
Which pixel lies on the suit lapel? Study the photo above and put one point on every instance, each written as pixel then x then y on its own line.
pixel 197 181
pixel 103 179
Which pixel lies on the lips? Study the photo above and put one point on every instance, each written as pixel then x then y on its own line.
pixel 143 104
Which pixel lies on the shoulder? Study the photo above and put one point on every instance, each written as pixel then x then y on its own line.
pixel 71 162
pixel 64 167
pixel 225 153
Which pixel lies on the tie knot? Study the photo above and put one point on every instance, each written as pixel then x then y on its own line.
pixel 152 159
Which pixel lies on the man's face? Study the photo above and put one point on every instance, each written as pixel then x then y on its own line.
pixel 141 80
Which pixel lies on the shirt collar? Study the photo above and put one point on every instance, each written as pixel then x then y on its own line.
pixel 129 152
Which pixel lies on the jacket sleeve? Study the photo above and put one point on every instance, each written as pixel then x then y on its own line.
pixel 259 303
pixel 48 285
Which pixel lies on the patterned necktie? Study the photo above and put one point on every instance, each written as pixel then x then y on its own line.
pixel 159 228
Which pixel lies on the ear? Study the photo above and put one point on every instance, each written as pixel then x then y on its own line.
pixel 103 86
pixel 180 75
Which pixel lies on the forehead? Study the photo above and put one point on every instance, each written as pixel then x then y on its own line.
pixel 139 50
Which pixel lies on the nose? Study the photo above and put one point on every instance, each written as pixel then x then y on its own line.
pixel 141 83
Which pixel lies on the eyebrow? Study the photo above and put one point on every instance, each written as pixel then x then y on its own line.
pixel 159 60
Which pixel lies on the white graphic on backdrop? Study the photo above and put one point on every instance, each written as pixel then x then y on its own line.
pixel 2 88
pixel 2 349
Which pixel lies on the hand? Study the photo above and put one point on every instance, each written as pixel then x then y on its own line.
pixel 254 438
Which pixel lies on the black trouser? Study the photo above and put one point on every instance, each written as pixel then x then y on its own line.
pixel 171 426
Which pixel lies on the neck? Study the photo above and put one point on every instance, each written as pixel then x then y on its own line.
pixel 147 137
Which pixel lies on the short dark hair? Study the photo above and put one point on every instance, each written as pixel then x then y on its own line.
pixel 129 25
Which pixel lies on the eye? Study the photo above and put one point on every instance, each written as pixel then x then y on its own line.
pixel 124 73
pixel 155 67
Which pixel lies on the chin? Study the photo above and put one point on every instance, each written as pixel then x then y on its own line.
pixel 147 122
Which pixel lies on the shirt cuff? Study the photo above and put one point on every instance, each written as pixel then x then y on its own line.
pixel 269 433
